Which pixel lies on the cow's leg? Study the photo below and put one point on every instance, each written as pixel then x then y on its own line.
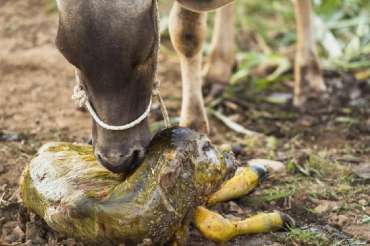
pixel 188 32
pixel 308 75
pixel 221 59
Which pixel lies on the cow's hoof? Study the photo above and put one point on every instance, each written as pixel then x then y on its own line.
pixel 261 170
pixel 214 90
pixel 218 71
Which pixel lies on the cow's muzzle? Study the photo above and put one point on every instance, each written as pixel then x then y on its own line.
pixel 120 162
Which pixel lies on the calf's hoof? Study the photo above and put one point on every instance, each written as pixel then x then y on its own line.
pixel 288 221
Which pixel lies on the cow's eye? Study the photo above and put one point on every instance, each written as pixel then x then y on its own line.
pixel 144 60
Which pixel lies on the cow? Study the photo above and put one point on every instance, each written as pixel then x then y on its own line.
pixel 113 44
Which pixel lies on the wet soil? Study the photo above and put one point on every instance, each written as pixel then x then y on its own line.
pixel 35 107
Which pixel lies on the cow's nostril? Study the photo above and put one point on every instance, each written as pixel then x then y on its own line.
pixel 104 162
pixel 135 159
pixel 136 155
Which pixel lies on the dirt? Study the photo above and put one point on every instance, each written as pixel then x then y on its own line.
pixel 35 107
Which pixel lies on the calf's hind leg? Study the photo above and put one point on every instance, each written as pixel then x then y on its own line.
pixel 308 75
pixel 188 31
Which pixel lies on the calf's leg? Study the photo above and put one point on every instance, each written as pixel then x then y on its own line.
pixel 308 75
pixel 244 181
pixel 222 53
pixel 217 228
pixel 188 32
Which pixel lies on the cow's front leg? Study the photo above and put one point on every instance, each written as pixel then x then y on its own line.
pixel 221 58
pixel 308 75
pixel 188 32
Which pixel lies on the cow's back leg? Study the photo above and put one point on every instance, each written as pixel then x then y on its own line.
pixel 308 75
pixel 188 31
pixel 221 59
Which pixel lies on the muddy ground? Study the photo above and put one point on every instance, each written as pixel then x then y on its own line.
pixel 323 147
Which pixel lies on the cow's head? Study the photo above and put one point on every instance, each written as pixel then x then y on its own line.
pixel 113 44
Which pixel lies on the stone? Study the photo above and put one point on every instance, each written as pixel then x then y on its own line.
pixel 325 206
pixel 271 165
pixel 362 170
pixel 6 136
pixel 338 220
pixel 359 231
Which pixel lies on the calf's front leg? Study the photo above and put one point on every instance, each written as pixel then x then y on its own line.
pixel 188 31
pixel 308 75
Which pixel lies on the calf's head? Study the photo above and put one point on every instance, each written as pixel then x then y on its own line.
pixel 113 45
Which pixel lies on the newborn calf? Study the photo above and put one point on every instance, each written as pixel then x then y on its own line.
pixel 66 186
pixel 182 171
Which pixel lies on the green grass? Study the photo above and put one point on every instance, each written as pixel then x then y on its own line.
pixel 297 236
pixel 275 193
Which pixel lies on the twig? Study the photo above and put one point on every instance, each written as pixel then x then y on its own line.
pixel 232 124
